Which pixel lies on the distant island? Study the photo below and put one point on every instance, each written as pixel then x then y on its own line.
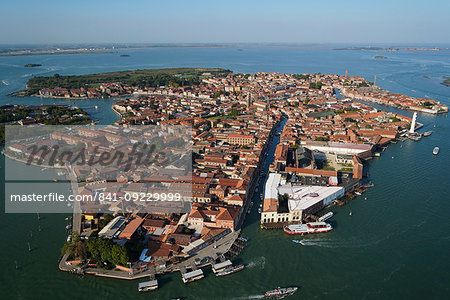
pixel 369 48
pixel 114 84
pixel 32 65
pixel 57 51
pixel 380 57
pixel 124 55
pixel 408 49
pixel 446 81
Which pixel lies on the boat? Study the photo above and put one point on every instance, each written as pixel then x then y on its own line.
pixel 243 239
pixel 297 241
pixel 350 213
pixel 192 276
pixel 358 193
pixel 259 210
pixel 325 217
pixel 436 150
pixel 312 227
pixel 427 133
pixel 250 208
pixel 280 292
pixel 148 286
pixel 230 270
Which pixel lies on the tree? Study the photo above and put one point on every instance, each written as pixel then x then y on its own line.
pixel 427 104
pixel 106 219
pixel 80 250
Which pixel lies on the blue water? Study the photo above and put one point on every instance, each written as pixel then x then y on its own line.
pixel 395 245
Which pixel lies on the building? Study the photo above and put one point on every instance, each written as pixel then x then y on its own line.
pixel 131 228
pixel 309 199
pixel 240 139
pixel 301 200
pixel 113 228
pixel 364 151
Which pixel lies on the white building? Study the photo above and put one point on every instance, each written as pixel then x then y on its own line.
pixel 303 200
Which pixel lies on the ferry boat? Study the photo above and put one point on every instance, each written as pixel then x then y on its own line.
pixel 148 286
pixel 192 276
pixel 325 217
pixel 312 227
pixel 436 150
pixel 230 270
pixel 280 292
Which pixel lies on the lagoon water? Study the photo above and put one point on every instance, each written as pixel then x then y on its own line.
pixel 395 245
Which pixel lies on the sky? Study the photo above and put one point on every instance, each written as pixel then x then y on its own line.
pixel 230 21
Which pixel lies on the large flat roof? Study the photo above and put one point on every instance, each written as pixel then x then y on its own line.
pixel 112 227
pixel 271 186
pixel 192 274
pixel 301 194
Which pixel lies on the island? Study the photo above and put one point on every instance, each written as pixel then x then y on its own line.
pixel 114 84
pixel 32 65
pixel 124 55
pixel 238 122
pixel 392 49
pixel 369 48
pixel 446 81
pixel 379 57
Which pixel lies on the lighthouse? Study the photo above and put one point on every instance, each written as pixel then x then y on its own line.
pixel 413 123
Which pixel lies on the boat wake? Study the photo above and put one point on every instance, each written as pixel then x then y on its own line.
pixel 249 297
pixel 259 262
pixel 330 243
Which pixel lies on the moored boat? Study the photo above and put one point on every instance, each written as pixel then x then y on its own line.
pixel 427 133
pixel 230 270
pixel 325 217
pixel 313 227
pixel 280 292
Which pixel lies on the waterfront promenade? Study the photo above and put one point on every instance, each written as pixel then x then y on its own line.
pixel 213 251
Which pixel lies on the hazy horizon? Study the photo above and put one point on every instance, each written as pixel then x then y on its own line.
pixel 288 21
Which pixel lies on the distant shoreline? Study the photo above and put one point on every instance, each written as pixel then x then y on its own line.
pixel 53 52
